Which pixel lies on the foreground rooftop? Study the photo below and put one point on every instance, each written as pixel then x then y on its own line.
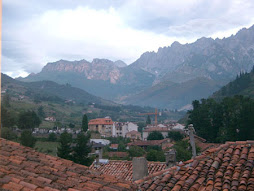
pixel 123 169
pixel 228 167
pixel 22 168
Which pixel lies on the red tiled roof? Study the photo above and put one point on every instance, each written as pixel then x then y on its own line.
pixel 167 146
pixel 101 121
pixel 118 154
pixel 201 143
pixel 22 168
pixel 151 129
pixel 133 132
pixel 228 167
pixel 114 146
pixel 123 169
pixel 148 143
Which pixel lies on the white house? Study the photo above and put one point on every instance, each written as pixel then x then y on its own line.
pixel 120 129
pixel 163 130
pixel 102 141
pixel 178 126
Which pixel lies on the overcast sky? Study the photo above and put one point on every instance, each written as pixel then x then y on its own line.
pixel 35 32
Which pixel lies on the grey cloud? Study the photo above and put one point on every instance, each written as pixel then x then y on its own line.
pixel 183 19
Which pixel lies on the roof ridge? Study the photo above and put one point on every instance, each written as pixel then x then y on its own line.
pixel 188 162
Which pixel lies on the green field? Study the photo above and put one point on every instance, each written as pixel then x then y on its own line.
pixel 47 147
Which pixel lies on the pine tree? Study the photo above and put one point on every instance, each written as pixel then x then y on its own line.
pixel 81 150
pixel 84 123
pixel 64 149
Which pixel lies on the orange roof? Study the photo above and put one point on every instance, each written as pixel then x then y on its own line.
pixel 118 154
pixel 228 167
pixel 101 121
pixel 133 132
pixel 114 146
pixel 163 129
pixel 148 143
pixel 123 169
pixel 22 168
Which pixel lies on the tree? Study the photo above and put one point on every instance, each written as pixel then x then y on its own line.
pixel 41 112
pixel 64 149
pixel 81 150
pixel 148 120
pixel 121 146
pixel 152 155
pixel 6 100
pixel 27 138
pixel 8 119
pixel 71 125
pixel 155 155
pixel 183 152
pixel 141 125
pixel 155 135
pixel 28 120
pixel 84 123
pixel 8 134
pixel 52 137
pixel 136 151
pixel 175 135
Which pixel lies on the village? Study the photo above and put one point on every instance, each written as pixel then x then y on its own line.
pixel 111 143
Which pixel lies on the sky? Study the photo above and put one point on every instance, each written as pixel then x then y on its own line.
pixel 35 32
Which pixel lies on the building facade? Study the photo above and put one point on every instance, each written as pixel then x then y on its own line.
pixel 103 125
pixel 120 129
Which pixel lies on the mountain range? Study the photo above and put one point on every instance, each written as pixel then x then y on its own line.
pixel 170 78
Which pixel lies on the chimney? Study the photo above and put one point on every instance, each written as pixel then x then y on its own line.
pixel 97 162
pixel 139 168
pixel 170 158
pixel 192 140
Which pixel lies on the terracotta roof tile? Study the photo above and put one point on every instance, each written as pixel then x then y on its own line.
pixel 22 168
pixel 227 167
pixel 101 121
pixel 148 143
pixel 123 169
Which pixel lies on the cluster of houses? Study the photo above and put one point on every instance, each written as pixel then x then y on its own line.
pixel 56 131
pixel 107 128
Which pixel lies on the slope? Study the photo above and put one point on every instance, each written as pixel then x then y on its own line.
pixel 174 95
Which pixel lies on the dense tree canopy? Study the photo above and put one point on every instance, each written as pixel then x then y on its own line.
pixel 84 123
pixel 175 135
pixel 27 138
pixel 7 118
pixel 148 120
pixel 155 155
pixel 136 151
pixel 64 149
pixel 81 150
pixel 228 120
pixel 7 133
pixel 155 135
pixel 28 120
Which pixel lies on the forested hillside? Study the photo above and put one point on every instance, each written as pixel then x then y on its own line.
pixel 242 85
pixel 230 119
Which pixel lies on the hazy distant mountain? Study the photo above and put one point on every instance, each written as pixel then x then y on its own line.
pixel 120 63
pixel 219 59
pixel 174 95
pixel 171 77
pixel 100 77
pixel 51 90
